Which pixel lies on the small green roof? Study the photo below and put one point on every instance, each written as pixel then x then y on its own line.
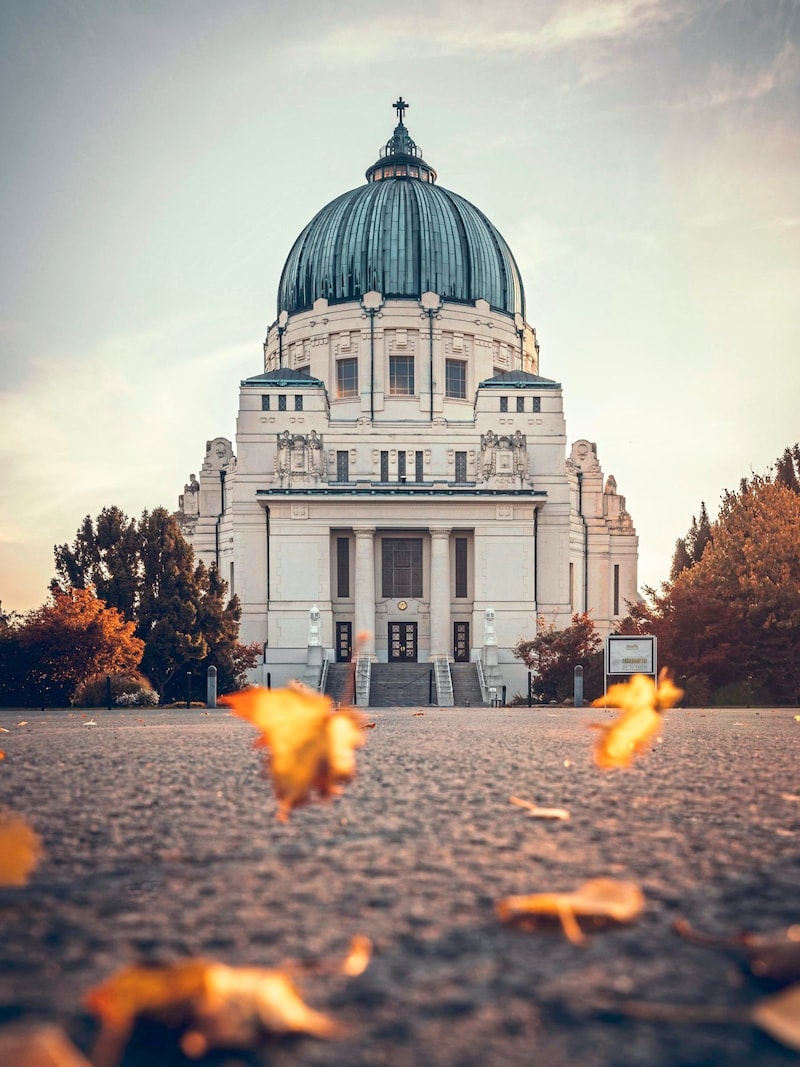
pixel 518 379
pixel 283 377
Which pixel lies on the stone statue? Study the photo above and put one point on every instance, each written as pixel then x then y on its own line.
pixel 489 633
pixel 314 631
pixel 486 462
pixel 284 447
pixel 520 444
pixel 611 486
pixel 314 453
pixel 189 500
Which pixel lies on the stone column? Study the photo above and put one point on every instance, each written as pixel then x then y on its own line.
pixel 365 587
pixel 441 637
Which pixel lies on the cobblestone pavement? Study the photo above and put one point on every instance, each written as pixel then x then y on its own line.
pixel 161 842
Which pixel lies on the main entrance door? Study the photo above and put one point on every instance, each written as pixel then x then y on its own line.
pixel 461 642
pixel 402 642
pixel 344 642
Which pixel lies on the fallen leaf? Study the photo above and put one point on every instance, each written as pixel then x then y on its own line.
pixel 358 956
pixel 210 1004
pixel 535 812
pixel 23 722
pixel 312 745
pixel 4 731
pixel 633 730
pixel 599 899
pixel 780 1016
pixel 368 725
pixel 418 713
pixel 775 955
pixel 39 1046
pixel 90 722
pixel 20 849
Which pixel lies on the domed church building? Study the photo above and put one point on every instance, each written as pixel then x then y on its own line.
pixel 401 490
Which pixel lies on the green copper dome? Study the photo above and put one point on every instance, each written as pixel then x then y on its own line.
pixel 400 235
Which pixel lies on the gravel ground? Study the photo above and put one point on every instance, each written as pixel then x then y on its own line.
pixel 161 842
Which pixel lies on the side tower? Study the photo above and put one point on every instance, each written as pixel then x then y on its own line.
pixel 401 465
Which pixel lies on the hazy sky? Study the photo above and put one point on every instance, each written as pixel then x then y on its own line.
pixel 159 157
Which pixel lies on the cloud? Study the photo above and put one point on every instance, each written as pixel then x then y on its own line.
pixel 728 84
pixel 505 29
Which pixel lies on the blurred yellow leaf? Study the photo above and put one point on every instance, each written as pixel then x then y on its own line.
pixel 535 812
pixel 780 1016
pixel 358 956
pixel 598 899
pixel 20 849
pixel 312 745
pixel 212 1005
pixel 39 1046
pixel 633 730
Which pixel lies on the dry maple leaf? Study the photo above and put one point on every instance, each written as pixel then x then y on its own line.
pixel 599 899
pixel 633 730
pixel 780 1016
pixel 311 744
pixel 20 849
pixel 535 812
pixel 42 1045
pixel 211 1004
pixel 775 956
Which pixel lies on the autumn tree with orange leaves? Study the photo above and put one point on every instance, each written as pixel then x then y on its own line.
pixel 730 623
pixel 70 638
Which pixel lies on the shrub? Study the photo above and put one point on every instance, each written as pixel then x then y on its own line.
pixel 140 698
pixel 93 693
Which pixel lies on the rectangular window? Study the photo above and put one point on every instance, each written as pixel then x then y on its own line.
pixel 342 466
pixel 265 403
pixel 384 466
pixel 461 568
pixel 520 403
pixel 401 466
pixel 504 403
pixel 402 566
pixel 455 379
pixel 419 473
pixel 346 377
pixel 281 403
pixel 616 589
pixel 537 403
pixel 401 375
pixel 461 466
pixel 298 403
pixel 343 567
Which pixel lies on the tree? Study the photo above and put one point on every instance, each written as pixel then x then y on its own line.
pixel 734 616
pixel 787 469
pixel 72 637
pixel 689 549
pixel 553 655
pixel 147 570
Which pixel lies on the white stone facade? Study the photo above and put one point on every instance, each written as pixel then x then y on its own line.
pixel 501 517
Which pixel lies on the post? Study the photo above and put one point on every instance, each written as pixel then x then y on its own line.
pixel 578 686
pixel 108 691
pixel 211 687
pixel 430 687
pixel 530 689
pixel 188 689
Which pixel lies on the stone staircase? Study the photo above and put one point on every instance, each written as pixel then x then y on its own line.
pixel 466 686
pixel 402 685
pixel 339 684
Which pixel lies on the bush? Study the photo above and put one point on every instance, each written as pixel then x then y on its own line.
pixel 141 698
pixel 93 693
pixel 740 695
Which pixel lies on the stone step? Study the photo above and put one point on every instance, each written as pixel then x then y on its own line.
pixel 466 686
pixel 402 685
pixel 339 683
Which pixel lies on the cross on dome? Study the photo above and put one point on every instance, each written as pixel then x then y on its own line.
pixel 400 107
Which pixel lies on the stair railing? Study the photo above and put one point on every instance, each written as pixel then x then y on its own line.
pixel 362 680
pixel 482 680
pixel 323 675
pixel 444 681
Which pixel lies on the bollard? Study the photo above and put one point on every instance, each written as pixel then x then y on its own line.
pixel 430 687
pixel 188 689
pixel 578 686
pixel 530 689
pixel 211 687
pixel 108 691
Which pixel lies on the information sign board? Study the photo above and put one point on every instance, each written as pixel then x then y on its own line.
pixel 630 655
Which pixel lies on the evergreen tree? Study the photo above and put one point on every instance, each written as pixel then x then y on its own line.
pixel 787 469
pixel 146 569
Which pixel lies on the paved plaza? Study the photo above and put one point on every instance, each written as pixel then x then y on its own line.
pixel 161 842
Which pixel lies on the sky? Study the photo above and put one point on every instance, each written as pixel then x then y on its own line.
pixel 159 157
